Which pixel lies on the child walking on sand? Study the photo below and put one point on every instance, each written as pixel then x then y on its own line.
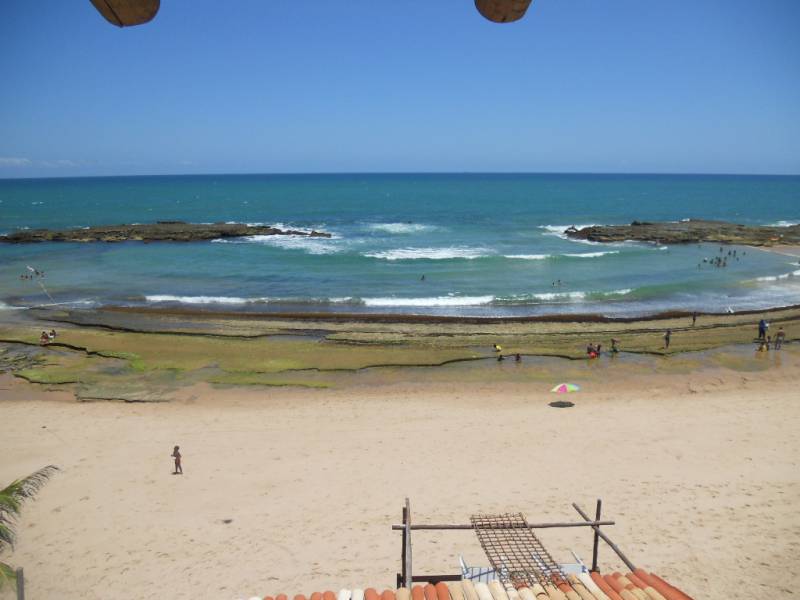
pixel 176 454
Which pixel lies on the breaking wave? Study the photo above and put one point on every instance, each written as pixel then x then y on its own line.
pixel 310 245
pixel 779 277
pixel 429 302
pixel 429 253
pixel 401 228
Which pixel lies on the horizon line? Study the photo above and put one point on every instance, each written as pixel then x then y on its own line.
pixel 314 173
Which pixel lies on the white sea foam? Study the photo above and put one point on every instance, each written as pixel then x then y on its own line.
pixel 401 228
pixel 429 253
pixel 310 245
pixel 71 303
pixel 571 255
pixel 559 296
pixel 4 306
pixel 779 277
pixel 431 301
pixel 784 223
pixel 563 296
pixel 593 254
pixel 198 299
pixel 558 231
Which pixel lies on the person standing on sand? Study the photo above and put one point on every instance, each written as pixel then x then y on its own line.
pixel 694 318
pixel 762 329
pixel 667 337
pixel 779 337
pixel 176 454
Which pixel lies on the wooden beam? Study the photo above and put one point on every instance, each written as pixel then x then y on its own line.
pixel 596 534
pixel 402 577
pixel 590 523
pixel 20 584
pixel 605 538
pixel 435 578
pixel 407 573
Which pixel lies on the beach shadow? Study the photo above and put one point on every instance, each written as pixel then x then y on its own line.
pixel 561 404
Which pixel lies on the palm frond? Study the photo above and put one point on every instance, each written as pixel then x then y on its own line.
pixel 12 497
pixel 25 488
pixel 8 576
pixel 6 535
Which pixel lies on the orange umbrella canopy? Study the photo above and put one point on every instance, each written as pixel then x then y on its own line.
pixel 125 13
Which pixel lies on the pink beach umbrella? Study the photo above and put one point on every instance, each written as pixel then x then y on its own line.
pixel 564 388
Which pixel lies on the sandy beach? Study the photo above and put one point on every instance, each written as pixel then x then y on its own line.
pixel 290 489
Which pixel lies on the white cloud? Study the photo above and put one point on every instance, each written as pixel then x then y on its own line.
pixel 14 161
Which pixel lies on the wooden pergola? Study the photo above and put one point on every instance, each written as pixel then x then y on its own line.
pixel 406 578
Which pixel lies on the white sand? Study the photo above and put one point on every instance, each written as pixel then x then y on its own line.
pixel 704 484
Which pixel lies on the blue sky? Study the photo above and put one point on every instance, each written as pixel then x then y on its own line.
pixel 411 85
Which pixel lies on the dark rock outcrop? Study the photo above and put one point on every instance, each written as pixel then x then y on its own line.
pixel 162 231
pixel 689 232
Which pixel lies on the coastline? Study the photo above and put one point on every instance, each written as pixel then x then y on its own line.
pixel 410 318
pixel 137 355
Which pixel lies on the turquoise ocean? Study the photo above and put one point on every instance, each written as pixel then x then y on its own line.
pixel 487 245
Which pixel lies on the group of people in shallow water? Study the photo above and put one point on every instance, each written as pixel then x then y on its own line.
pixel 765 341
pixel 499 350
pixel 721 261
pixel 36 274
pixel 594 350
pixel 46 337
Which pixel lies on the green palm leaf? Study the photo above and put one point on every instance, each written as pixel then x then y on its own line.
pixel 11 500
pixel 8 576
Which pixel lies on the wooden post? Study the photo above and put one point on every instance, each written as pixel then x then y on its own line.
pixel 605 538
pixel 407 573
pixel 20 584
pixel 401 577
pixel 596 535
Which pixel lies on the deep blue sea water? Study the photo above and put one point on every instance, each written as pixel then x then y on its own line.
pixel 486 244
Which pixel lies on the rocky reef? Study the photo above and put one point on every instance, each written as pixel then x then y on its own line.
pixel 689 231
pixel 161 231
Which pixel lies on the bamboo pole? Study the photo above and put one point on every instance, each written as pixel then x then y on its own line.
pixel 20 584
pixel 596 535
pixel 407 576
pixel 437 527
pixel 606 539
